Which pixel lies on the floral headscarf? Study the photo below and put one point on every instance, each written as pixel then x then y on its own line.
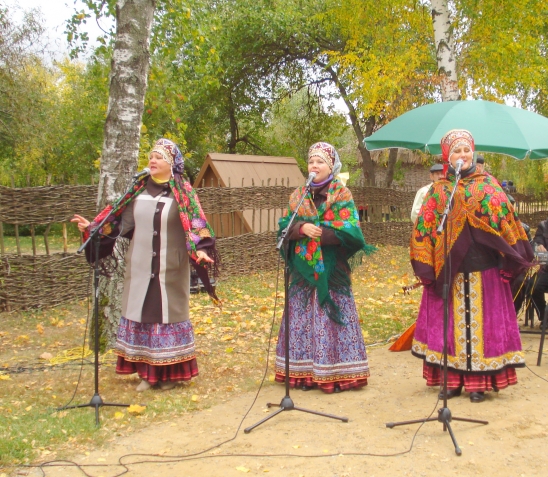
pixel 170 153
pixel 453 139
pixel 328 154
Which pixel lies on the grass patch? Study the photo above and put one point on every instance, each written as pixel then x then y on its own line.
pixel 55 244
pixel 38 374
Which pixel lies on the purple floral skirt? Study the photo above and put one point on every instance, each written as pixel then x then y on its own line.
pixel 156 351
pixel 321 352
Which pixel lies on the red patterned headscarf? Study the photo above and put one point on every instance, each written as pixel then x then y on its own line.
pixel 453 139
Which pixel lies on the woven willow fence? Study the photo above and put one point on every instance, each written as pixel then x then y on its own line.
pixel 37 278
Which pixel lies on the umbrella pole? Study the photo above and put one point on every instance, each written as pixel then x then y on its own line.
pixel 444 413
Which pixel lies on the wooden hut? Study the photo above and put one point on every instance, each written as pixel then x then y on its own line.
pixel 238 170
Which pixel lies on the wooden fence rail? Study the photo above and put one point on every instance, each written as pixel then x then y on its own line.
pixel 245 219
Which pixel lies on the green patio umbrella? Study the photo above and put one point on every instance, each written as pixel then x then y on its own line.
pixel 495 127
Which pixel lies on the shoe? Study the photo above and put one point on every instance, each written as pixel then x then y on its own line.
pixel 451 393
pixel 304 387
pixel 495 388
pixel 143 386
pixel 338 388
pixel 477 397
pixel 167 385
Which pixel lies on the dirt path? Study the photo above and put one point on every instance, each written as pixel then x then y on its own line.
pixel 514 443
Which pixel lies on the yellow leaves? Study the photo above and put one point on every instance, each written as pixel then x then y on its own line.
pixel 40 328
pixel 136 409
pixel 119 415
pixel 195 398
pixel 57 322
pixel 5 377
pixel 243 469
pixel 22 339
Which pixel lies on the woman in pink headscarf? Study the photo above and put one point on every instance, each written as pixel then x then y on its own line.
pixel 486 246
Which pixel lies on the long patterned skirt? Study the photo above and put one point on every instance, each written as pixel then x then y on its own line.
pixel 483 343
pixel 322 353
pixel 157 352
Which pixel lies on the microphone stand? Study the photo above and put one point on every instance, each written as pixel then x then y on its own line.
pixel 287 403
pixel 444 413
pixel 96 401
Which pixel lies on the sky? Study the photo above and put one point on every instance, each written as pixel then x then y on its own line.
pixel 55 13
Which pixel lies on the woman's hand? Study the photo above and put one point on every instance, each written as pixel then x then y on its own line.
pixel 81 222
pixel 540 248
pixel 310 230
pixel 203 256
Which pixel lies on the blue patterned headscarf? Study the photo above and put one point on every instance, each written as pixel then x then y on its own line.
pixel 170 153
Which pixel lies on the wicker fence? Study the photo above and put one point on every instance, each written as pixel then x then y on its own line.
pixel 36 278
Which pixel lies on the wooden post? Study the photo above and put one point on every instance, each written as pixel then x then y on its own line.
pixel 268 210
pixel 65 239
pixel 2 249
pixel 33 238
pixel 17 242
pixel 46 243
pixel 253 212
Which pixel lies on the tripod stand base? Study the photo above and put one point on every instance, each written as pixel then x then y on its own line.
pixel 96 402
pixel 288 405
pixel 445 417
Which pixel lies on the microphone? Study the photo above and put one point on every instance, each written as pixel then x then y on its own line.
pixel 139 175
pixel 458 166
pixel 311 177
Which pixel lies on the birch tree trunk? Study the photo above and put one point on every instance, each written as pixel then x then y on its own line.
pixel 128 84
pixel 445 50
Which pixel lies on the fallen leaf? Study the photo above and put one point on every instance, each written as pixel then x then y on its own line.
pixel 195 398
pixel 46 356
pixel 136 409
pixel 40 328
pixel 242 469
pixel 118 415
pixel 4 377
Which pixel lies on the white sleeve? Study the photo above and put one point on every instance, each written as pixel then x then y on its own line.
pixel 417 203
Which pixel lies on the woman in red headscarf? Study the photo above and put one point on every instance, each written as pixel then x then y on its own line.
pixel 486 247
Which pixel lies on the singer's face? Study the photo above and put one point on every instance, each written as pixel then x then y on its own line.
pixel 159 168
pixel 462 152
pixel 319 166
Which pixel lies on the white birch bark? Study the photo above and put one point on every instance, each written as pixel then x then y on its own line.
pixel 128 84
pixel 445 50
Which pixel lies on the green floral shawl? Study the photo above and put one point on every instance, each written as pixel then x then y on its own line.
pixel 316 265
